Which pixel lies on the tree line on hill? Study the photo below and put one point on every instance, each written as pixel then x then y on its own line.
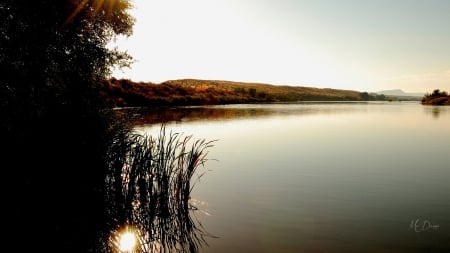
pixel 126 93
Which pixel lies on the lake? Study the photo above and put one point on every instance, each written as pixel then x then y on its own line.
pixel 319 177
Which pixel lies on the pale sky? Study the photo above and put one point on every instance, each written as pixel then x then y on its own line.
pixel 362 45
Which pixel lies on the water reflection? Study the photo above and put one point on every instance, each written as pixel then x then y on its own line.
pixel 437 111
pixel 144 116
pixel 149 184
pixel 177 232
pixel 326 177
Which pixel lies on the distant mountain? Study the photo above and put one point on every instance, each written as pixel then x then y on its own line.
pixel 400 93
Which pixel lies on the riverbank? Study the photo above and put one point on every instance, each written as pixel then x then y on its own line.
pixel 126 93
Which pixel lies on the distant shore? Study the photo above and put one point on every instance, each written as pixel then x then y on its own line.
pixel 126 93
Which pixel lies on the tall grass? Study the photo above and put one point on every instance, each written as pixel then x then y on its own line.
pixel 149 183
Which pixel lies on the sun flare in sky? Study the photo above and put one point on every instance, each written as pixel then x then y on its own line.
pixel 351 44
pixel 97 5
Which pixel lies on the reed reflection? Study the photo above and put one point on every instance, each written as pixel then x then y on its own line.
pixel 149 184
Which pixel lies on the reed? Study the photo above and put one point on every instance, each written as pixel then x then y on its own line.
pixel 149 183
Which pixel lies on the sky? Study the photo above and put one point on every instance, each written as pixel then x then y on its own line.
pixel 361 45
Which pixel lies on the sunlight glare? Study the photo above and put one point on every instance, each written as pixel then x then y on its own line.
pixel 97 6
pixel 127 242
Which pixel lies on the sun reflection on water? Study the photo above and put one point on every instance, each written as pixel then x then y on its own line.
pixel 126 240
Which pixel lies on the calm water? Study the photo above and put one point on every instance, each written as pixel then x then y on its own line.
pixel 320 177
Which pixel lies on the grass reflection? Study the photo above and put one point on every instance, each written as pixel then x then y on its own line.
pixel 149 184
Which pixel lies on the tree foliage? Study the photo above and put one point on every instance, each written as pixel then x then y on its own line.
pixel 54 127
pixel 437 97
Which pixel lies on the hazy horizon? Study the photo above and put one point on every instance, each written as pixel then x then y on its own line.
pixel 353 45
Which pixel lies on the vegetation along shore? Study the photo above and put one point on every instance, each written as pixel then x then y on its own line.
pixel 126 93
pixel 437 97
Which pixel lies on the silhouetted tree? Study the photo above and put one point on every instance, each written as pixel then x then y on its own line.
pixel 54 127
pixel 252 92
pixel 365 96
pixel 436 98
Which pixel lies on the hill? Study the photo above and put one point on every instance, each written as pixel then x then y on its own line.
pixel 399 92
pixel 126 93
